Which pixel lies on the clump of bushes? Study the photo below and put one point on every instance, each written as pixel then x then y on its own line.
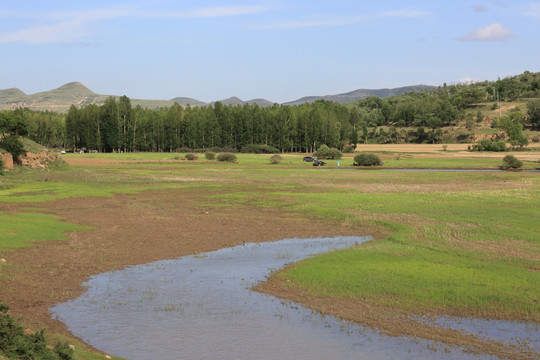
pixel 13 145
pixel 511 162
pixel 489 145
pixel 366 159
pixel 324 152
pixel 275 159
pixel 191 156
pixel 259 149
pixel 16 343
pixel 209 155
pixel 348 148
pixel 226 157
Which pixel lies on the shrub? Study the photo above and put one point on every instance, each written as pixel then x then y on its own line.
pixel 489 145
pixel 275 159
pixel 367 160
pixel 348 148
pixel 191 156
pixel 228 157
pixel 209 155
pixel 13 145
pixel 183 150
pixel 511 162
pixel 324 152
pixel 16 344
pixel 259 149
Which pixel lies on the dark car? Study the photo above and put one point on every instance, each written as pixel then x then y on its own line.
pixel 309 158
pixel 318 163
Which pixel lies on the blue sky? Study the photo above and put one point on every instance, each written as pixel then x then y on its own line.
pixel 274 49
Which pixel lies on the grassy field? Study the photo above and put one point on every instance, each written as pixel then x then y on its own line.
pixel 459 243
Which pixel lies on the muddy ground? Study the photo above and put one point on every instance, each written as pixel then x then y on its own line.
pixel 128 230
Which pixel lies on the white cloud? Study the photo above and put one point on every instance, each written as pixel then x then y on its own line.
pixel 480 8
pixel 320 22
pixel 220 11
pixel 329 21
pixel 493 32
pixel 62 27
pixel 404 13
pixel 64 31
pixel 533 10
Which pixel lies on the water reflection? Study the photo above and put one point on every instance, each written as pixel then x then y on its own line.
pixel 200 307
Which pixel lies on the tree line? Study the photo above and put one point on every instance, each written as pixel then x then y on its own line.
pixel 117 126
pixel 416 116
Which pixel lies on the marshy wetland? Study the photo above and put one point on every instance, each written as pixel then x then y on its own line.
pixel 453 244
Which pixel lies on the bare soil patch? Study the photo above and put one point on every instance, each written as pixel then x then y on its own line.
pixel 134 229
pixel 452 151
pixel 411 148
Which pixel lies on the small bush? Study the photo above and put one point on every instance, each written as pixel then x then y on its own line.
pixel 511 162
pixel 489 145
pixel 191 156
pixel 209 155
pixel 259 149
pixel 227 157
pixel 275 159
pixel 367 160
pixel 324 152
pixel 348 148
pixel 13 145
pixel 16 344
pixel 184 150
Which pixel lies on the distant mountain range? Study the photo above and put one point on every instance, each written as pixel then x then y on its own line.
pixel 76 93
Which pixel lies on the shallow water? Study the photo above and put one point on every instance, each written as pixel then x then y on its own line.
pixel 200 307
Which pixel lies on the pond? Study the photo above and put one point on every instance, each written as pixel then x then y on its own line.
pixel 201 307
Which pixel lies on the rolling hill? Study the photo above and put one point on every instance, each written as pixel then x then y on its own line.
pixel 75 93
pixel 360 94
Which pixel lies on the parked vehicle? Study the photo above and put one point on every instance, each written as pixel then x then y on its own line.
pixel 309 158
pixel 318 163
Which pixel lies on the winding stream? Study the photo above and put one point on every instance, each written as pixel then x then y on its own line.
pixel 200 307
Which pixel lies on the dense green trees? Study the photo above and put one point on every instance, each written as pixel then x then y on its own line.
pixel 116 126
pixel 533 112
pixel 513 126
pixel 12 126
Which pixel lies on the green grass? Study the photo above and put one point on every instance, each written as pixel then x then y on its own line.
pixel 454 255
pixel 460 241
pixel 27 229
pixel 413 278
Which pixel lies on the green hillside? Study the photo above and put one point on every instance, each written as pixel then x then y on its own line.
pixel 60 99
